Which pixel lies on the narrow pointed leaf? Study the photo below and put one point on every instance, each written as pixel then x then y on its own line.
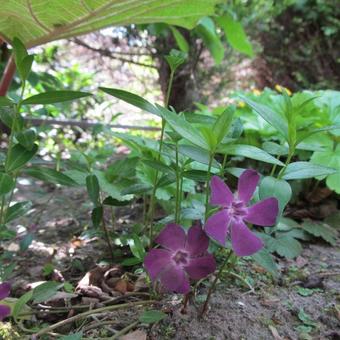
pixel 53 97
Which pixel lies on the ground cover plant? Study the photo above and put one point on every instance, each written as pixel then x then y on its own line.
pixel 218 200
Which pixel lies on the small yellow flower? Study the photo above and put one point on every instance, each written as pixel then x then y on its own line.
pixel 241 104
pixel 280 89
pixel 256 92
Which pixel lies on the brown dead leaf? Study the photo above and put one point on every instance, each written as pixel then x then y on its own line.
pixel 136 335
pixel 124 286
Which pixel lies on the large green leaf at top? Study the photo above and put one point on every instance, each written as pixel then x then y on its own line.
pixel 36 22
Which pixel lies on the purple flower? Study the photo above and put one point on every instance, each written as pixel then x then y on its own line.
pixel 183 256
pixel 234 212
pixel 5 289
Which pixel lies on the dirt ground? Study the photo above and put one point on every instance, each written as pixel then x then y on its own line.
pixel 302 304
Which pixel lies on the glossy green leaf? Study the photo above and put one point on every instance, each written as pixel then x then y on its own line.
pixel 50 175
pixel 132 99
pixel 175 59
pixel 6 184
pixel 322 230
pixel 197 154
pixel 207 31
pixel 26 138
pixel 287 246
pixel 222 124
pixel 24 68
pixel 152 316
pixel 7 115
pixel 265 260
pixel 4 101
pixel 235 34
pixel 183 128
pixel 39 23
pixel 45 291
pixel 275 149
pixel 20 304
pixel 249 151
pixel 53 97
pixel 18 157
pixel 180 39
pixel 19 51
pixel 17 210
pixel 301 170
pixel 136 247
pixel 270 116
pixel 115 203
pixel 97 216
pixel 278 188
pixel 93 188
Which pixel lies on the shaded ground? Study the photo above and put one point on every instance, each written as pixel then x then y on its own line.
pixel 302 304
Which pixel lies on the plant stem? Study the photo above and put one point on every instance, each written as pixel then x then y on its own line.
pixel 2 208
pixel 93 311
pixel 151 212
pixel 290 155
pixel 107 236
pixel 213 285
pixel 207 189
pixel 177 187
pixel 124 330
pixel 223 165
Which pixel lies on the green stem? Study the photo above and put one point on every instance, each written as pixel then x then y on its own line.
pixel 2 208
pixel 151 211
pixel 211 157
pixel 290 155
pixel 108 240
pixel 177 187
pixel 223 165
pixel 213 285
pixel 90 312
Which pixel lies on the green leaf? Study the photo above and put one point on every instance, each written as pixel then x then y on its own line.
pixel 235 34
pixel 136 246
pixel 270 116
pixel 131 261
pixel 158 165
pixel 6 184
pixel 63 19
pixel 132 99
pixel 278 188
pixel 152 316
pixel 196 175
pixel 26 138
pixel 93 188
pixel 265 260
pixel 249 151
pixel 180 40
pixel 322 230
pixel 197 154
pixel 275 149
pixel 138 188
pixel 25 66
pixel 301 170
pixel 73 336
pixel 222 124
pixel 45 291
pixel 50 175
pixel 183 128
pixel 53 97
pixel 115 203
pixel 18 157
pixel 287 246
pixel 7 115
pixel 17 210
pixel 4 101
pixel 19 51
pixel 175 59
pixel 207 31
pixel 97 216
pixel 26 241
pixel 20 304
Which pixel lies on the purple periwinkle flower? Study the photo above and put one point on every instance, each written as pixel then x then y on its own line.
pixel 5 289
pixel 234 212
pixel 182 257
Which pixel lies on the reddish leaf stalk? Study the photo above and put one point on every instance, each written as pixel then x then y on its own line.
pixel 7 77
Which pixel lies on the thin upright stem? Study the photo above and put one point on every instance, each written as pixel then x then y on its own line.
pixel 290 155
pixel 223 165
pixel 213 285
pixel 207 189
pixel 2 209
pixel 108 239
pixel 177 208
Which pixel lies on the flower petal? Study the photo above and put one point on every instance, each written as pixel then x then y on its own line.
pixel 197 242
pixel 174 279
pixel 156 260
pixel 263 213
pixel 244 242
pixel 201 267
pixel 172 237
pixel 5 289
pixel 217 226
pixel 4 311
pixel 220 192
pixel 247 184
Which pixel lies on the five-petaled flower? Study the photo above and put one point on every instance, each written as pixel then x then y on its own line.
pixel 5 289
pixel 234 212
pixel 182 257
